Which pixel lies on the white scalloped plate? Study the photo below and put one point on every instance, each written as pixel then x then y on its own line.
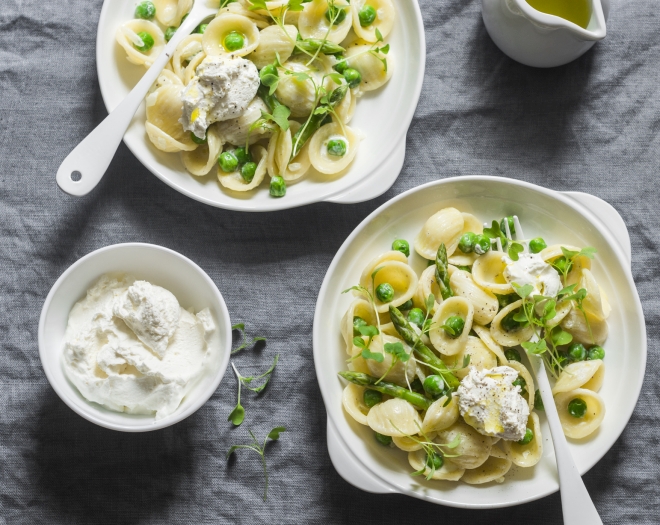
pixel 382 116
pixel 571 218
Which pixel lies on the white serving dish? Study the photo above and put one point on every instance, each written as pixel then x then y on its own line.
pixel 570 217
pixel 383 116
pixel 188 282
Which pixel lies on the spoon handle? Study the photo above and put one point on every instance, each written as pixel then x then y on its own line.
pixel 577 507
pixel 84 167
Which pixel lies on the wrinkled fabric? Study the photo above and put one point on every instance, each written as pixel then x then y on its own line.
pixel 589 126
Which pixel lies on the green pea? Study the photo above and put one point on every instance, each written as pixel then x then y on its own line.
pixel 147 41
pixel 401 245
pixel 200 29
pixel 467 241
pixel 577 408
pixel 506 300
pixel 512 354
pixel 367 15
pixel 434 461
pixel 234 41
pixel 372 397
pixel 269 75
pixel 382 439
pixel 358 322
pixel 416 316
pixel 509 323
pixel 577 352
pixel 595 352
pixel 454 326
pixel 384 292
pixel 196 139
pixel 248 170
pixel 277 186
pixel 512 227
pixel 340 66
pixel 335 15
pixel 336 147
pixel 529 435
pixel 537 245
pixel 522 384
pixel 352 77
pixel 242 156
pixel 169 33
pixel 481 245
pixel 538 401
pixel 560 264
pixel 434 386
pixel 406 306
pixel 228 162
pixel 145 10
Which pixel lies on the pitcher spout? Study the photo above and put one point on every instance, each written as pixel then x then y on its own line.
pixel 595 30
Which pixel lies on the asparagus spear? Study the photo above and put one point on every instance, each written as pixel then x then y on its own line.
pixel 312 45
pixel 270 100
pixel 422 352
pixel 387 388
pixel 442 273
pixel 306 131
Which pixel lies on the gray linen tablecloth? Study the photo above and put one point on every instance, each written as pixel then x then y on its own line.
pixel 590 126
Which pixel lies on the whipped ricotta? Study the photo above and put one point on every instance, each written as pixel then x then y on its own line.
pixel 531 269
pixel 222 89
pixel 130 346
pixel 491 404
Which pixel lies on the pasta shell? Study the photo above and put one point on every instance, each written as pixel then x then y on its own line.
pixel 235 131
pixel 358 308
pixel 259 17
pixel 201 160
pixel 578 428
pixel 170 12
pixel 488 272
pixel 575 323
pixel 426 286
pixel 445 227
pixel 551 253
pixel 234 181
pixel 377 262
pixel 188 48
pixel 484 302
pixel 214 36
pixel 473 449
pixel 127 37
pixel 504 337
pixel 400 373
pixel 313 23
pixel 441 340
pixel 401 277
pixel 299 94
pixel 297 167
pixel 274 42
pixel 166 77
pixel 353 401
pixel 494 469
pixel 470 224
pixel 440 417
pixel 481 357
pixel 487 339
pixel 191 69
pixel 562 309
pixel 384 19
pixel 322 161
pixel 593 303
pixel 346 108
pixel 449 470
pixel 407 444
pixel 524 373
pixel 164 109
pixel 530 454
pixel 583 374
pixel 375 73
pixel 394 417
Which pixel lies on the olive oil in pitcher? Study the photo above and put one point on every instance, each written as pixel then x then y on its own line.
pixel 576 11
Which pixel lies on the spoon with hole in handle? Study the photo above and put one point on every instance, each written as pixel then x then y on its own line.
pixel 83 168
pixel 576 504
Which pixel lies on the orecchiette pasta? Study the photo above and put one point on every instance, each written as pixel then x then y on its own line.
pixel 483 301
pixel 444 227
pixel 313 22
pixel 394 417
pixel 353 401
pixel 374 71
pixel 128 37
pixel 507 337
pixel 578 428
pixel 202 159
pixel 449 470
pixel 320 155
pixel 494 469
pixel 488 272
pixel 529 454
pixel 170 12
pixel 213 40
pixel 480 357
pixel 583 374
pixel 442 340
pixel 383 21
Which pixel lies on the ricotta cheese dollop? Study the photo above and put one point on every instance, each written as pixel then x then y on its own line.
pixel 222 89
pixel 530 268
pixel 491 404
pixel 131 347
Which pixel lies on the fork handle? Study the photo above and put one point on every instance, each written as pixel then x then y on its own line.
pixel 577 506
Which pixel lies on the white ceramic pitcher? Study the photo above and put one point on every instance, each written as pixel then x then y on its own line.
pixel 539 39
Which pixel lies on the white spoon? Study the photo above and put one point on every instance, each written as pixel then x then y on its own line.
pixel 576 504
pixel 82 170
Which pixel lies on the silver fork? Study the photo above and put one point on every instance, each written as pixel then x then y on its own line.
pixel 577 506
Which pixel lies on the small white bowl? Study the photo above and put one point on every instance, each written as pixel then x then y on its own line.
pixel 190 285
pixel 383 116
pixel 571 218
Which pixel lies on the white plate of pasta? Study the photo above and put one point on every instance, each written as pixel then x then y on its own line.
pixel 308 146
pixel 456 313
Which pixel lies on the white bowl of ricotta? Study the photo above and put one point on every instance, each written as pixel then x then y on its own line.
pixel 559 217
pixel 382 116
pixel 165 269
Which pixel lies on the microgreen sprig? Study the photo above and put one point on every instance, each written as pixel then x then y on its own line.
pixel 240 327
pixel 238 414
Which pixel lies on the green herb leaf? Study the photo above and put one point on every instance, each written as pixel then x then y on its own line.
pixel 295 5
pixel 374 356
pixel 566 291
pixel 258 4
pixel 241 328
pixel 237 415
pixel 373 274
pixel 379 35
pixel 359 342
pixel 549 310
pixel 368 330
pixel 535 348
pixel 454 442
pixel 430 302
pixel 514 250
pixel 385 49
pixel 560 337
pixel 281 117
pixel 466 361
pixel 397 350
pixel 275 433
pixel 522 291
